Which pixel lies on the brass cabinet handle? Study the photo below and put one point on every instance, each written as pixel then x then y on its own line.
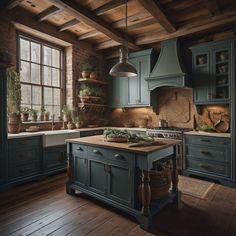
pixel 79 148
pixel 96 151
pixel 205 140
pixel 205 152
pixel 119 156
pixel 204 166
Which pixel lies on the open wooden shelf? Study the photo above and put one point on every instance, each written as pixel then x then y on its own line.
pixel 91 107
pixel 95 81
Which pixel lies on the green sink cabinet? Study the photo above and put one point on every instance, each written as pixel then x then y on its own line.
pixel 3 123
pixel 211 72
pixel 55 159
pixel 133 91
pixel 25 158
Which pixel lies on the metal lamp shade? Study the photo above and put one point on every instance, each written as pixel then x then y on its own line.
pixel 123 68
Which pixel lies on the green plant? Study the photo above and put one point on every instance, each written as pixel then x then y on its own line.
pixel 85 66
pixel 33 112
pixel 42 109
pixel 25 110
pixel 13 92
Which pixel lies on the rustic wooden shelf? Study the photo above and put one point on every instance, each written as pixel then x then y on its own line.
pixel 95 81
pixel 91 107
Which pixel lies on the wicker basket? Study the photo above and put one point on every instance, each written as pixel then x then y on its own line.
pixel 160 182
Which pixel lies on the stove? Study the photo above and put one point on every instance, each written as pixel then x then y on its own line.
pixel 172 133
pixel 168 132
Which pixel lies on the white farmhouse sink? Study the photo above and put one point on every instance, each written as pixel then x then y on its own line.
pixel 58 137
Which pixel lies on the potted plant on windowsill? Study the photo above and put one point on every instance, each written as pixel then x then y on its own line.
pixel 42 113
pixel 34 115
pixel 46 115
pixel 25 113
pixel 13 101
pixel 66 113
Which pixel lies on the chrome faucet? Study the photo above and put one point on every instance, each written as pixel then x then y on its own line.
pixel 53 123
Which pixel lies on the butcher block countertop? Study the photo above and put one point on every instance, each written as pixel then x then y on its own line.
pixel 98 140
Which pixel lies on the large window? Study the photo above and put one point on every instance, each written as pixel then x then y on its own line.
pixel 41 75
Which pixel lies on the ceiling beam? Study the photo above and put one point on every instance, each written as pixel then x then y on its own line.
pixel 213 7
pixel 155 9
pixel 89 35
pixel 142 24
pixel 109 6
pixel 50 11
pixel 88 17
pixel 201 26
pixel 106 44
pixel 13 3
pixel 68 25
pixel 130 19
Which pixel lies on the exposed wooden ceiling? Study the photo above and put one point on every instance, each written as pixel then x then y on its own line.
pixel 102 22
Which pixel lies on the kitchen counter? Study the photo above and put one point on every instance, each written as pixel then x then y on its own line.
pixel 98 140
pixel 203 133
pixel 117 174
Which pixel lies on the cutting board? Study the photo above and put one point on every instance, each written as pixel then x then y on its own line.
pixel 178 110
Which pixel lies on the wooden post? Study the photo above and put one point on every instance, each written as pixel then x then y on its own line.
pixel 145 193
pixel 174 173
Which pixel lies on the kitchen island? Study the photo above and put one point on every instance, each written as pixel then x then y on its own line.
pixel 118 174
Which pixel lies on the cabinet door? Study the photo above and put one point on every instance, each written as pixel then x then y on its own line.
pixel 97 175
pixel 202 77
pixel 119 183
pixel 55 158
pixel 133 84
pixel 80 174
pixel 221 73
pixel 144 71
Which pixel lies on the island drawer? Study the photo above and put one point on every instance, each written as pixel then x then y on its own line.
pixel 25 142
pixel 97 152
pixel 121 156
pixel 207 140
pixel 208 153
pixel 208 167
pixel 79 149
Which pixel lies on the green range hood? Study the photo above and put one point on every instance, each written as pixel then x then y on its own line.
pixel 169 69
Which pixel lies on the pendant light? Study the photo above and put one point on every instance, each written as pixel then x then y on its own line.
pixel 123 68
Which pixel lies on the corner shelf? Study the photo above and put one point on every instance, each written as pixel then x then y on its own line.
pixel 94 81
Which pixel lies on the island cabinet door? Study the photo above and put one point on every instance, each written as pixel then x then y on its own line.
pixel 120 183
pixel 81 171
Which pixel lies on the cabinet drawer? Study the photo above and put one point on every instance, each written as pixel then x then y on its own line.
pixel 206 140
pixel 206 167
pixel 78 149
pixel 98 153
pixel 25 142
pixel 206 153
pixel 23 170
pixel 120 156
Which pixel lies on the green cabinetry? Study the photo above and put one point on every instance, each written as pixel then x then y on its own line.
pixel 3 123
pixel 211 72
pixel 133 91
pixel 25 158
pixel 55 159
pixel 208 156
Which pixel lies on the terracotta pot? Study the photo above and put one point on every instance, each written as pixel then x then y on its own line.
pixel 78 125
pixel 70 125
pixel 14 127
pixel 93 75
pixel 25 117
pixel 85 74
pixel 46 117
pixel 42 117
pixel 34 118
pixel 14 118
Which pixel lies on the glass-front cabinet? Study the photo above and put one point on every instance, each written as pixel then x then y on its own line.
pixel 211 72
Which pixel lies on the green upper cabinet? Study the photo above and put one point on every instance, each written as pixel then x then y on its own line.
pixel 133 91
pixel 211 72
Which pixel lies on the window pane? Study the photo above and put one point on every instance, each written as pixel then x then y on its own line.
pixel 37 108
pixel 48 96
pixel 24 49
pixel 35 73
pixel 47 55
pixel 37 95
pixel 25 71
pixel 35 52
pixel 26 94
pixel 49 109
pixel 47 74
pixel 56 97
pixel 56 77
pixel 56 111
pixel 55 58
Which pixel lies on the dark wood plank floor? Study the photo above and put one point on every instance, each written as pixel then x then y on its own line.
pixel 44 208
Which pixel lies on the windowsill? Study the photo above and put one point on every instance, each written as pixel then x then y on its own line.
pixel 42 122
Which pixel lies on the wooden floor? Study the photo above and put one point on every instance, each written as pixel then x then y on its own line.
pixel 43 208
